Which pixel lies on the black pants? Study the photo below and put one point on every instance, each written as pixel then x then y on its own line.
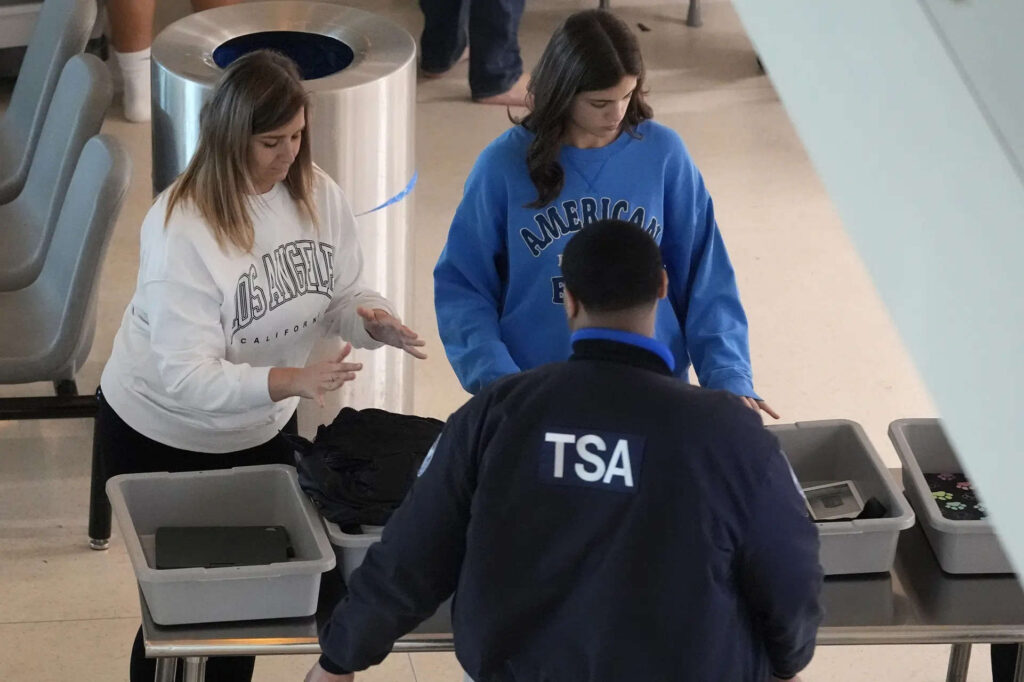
pixel 490 27
pixel 123 450
pixel 1004 661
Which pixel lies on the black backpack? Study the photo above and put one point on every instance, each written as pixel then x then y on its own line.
pixel 359 469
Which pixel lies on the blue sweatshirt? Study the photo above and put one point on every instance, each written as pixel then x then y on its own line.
pixel 598 521
pixel 498 286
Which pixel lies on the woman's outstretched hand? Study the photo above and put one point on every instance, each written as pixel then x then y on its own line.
pixel 315 380
pixel 386 328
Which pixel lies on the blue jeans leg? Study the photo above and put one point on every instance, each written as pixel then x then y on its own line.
pixel 494 61
pixel 445 33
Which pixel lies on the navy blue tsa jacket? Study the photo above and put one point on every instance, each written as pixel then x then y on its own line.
pixel 598 520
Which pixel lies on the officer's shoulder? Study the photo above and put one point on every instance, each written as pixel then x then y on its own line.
pixel 721 417
pixel 514 389
pixel 507 386
pixel 739 429
pixel 490 404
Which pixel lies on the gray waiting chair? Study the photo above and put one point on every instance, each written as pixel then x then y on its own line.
pixel 693 15
pixel 80 102
pixel 61 31
pixel 51 322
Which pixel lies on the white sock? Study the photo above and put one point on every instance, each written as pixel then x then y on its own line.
pixel 134 67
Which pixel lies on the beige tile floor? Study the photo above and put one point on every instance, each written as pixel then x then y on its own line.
pixel 822 343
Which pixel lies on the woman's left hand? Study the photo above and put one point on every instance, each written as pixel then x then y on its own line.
pixel 386 328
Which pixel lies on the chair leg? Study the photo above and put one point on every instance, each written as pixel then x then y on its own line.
pixel 99 505
pixel 68 404
pixel 65 387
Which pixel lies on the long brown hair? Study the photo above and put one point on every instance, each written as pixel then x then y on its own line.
pixel 591 50
pixel 258 92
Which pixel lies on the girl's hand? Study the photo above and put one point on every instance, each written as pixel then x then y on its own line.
pixel 759 405
pixel 386 328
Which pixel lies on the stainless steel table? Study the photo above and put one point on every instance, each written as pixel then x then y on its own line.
pixel 193 644
pixel 916 603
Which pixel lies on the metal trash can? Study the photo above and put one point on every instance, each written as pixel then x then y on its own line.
pixel 360 71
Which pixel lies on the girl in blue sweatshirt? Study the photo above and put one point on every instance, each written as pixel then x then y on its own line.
pixel 588 150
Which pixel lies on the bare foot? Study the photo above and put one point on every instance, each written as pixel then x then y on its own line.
pixel 438 74
pixel 513 97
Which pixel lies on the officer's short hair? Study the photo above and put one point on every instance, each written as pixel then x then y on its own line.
pixel 612 265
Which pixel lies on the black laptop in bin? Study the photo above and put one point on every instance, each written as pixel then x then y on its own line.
pixel 220 546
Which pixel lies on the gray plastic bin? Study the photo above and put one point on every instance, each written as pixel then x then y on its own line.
pixel 948 600
pixel 351 550
pixel 244 496
pixel 960 546
pixel 836 450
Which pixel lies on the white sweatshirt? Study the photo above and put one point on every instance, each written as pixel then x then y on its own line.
pixel 190 363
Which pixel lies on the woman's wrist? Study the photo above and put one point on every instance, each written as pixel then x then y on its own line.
pixel 281 382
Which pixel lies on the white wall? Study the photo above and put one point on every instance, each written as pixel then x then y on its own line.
pixel 913 114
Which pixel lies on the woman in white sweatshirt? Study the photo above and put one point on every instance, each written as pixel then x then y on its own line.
pixel 247 259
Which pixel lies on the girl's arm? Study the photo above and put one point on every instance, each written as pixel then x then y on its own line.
pixel 702 283
pixel 469 284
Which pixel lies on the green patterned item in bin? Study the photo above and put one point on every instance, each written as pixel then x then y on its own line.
pixel 955 497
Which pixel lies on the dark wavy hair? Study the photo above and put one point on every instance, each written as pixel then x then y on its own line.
pixel 591 50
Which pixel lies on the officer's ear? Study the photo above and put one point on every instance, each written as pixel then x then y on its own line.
pixel 572 306
pixel 663 287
